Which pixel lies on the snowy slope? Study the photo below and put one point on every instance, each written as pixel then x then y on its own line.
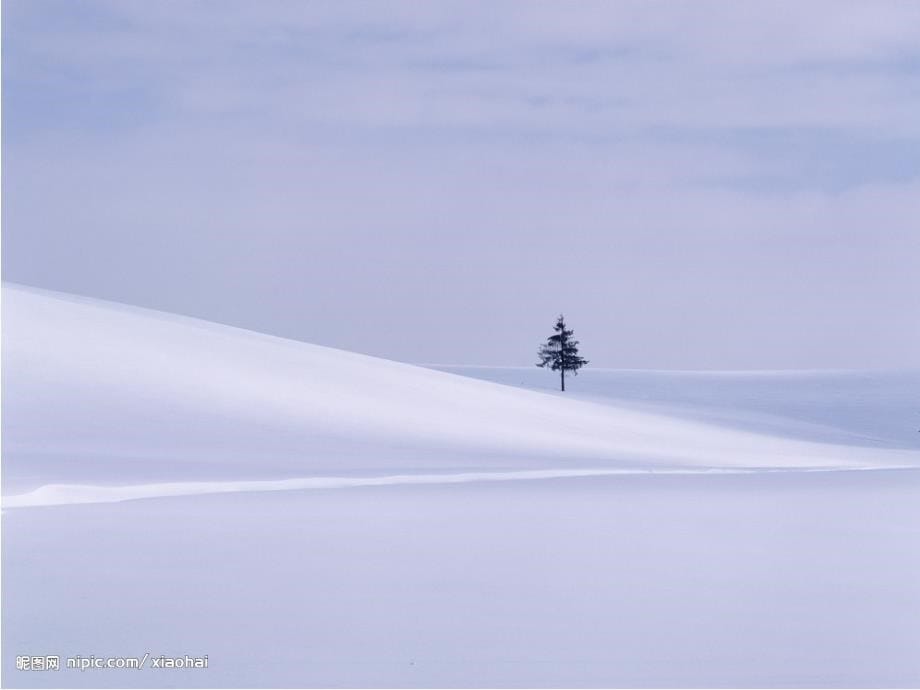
pixel 478 543
pixel 793 579
pixel 101 393
pixel 849 407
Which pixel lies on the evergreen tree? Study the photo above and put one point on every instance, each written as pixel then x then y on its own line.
pixel 560 352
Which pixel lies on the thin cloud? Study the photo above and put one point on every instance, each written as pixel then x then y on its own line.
pixel 278 164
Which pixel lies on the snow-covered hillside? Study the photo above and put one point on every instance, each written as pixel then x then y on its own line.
pixel 104 394
pixel 877 409
pixel 313 517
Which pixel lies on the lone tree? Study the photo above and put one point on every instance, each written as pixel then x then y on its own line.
pixel 560 352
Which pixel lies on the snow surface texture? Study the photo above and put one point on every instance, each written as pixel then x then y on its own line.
pixel 312 517
pixel 765 579
pixel 103 394
pixel 868 408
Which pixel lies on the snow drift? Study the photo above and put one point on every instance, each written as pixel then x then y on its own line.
pixel 371 523
pixel 103 393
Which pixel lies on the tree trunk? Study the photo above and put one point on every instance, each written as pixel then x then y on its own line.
pixel 562 371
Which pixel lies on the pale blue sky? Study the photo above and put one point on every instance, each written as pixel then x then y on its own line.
pixel 697 185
